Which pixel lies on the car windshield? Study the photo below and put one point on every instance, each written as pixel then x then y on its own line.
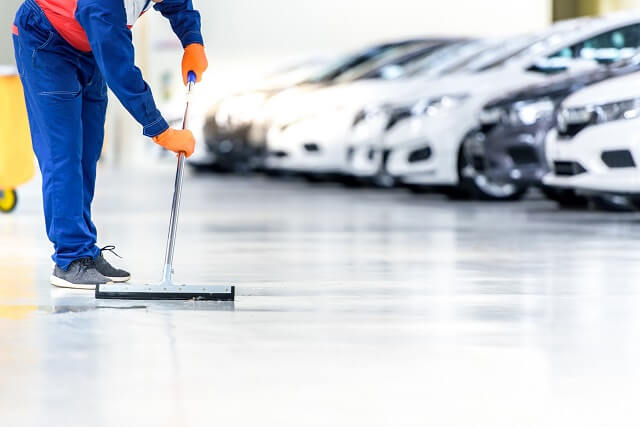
pixel 523 46
pixel 499 54
pixel 348 62
pixel 552 37
pixel 295 74
pixel 393 58
pixel 447 59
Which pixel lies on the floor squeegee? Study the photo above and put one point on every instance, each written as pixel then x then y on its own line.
pixel 167 289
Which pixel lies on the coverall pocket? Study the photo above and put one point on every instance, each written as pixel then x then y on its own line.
pixel 62 95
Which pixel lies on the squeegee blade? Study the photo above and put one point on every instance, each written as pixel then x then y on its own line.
pixel 165 292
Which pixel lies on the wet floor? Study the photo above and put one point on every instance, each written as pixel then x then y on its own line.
pixel 354 308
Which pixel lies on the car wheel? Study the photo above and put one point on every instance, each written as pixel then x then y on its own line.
pixel 8 200
pixel 201 167
pixel 566 198
pixel 350 181
pixel 383 180
pixel 482 187
pixel 612 203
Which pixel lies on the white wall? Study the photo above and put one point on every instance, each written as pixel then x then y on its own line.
pixel 8 9
pixel 246 36
pixel 256 32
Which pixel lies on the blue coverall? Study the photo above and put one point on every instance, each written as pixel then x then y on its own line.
pixel 66 96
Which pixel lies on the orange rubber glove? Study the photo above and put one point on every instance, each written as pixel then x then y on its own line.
pixel 178 141
pixel 194 59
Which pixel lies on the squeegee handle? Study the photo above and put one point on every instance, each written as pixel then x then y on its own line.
pixel 177 194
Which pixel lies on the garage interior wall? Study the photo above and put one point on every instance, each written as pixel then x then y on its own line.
pixel 563 9
pixel 8 10
pixel 246 37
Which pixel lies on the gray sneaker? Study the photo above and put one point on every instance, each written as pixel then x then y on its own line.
pixel 109 271
pixel 82 274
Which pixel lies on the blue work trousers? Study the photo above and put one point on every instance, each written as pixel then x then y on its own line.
pixel 66 99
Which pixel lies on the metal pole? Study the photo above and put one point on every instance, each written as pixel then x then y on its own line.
pixel 175 208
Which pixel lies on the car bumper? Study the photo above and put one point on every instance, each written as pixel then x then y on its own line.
pixel 425 150
pixel 514 154
pixel 605 158
pixel 313 146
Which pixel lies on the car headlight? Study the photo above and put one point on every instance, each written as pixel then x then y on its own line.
pixel 387 117
pixel 435 106
pixel 623 110
pixel 529 112
pixel 371 118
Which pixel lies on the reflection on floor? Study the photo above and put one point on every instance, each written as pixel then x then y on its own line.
pixel 355 307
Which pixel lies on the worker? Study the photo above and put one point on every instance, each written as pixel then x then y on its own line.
pixel 68 52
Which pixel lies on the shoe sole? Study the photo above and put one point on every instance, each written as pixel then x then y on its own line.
pixel 119 279
pixel 61 283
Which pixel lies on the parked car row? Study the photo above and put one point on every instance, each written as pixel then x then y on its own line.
pixel 479 118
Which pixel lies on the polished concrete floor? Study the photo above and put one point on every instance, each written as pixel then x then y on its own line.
pixel 354 308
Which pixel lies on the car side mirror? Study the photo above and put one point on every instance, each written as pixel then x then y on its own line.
pixel 549 66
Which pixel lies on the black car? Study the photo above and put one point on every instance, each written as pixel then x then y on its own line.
pixel 504 157
pixel 234 133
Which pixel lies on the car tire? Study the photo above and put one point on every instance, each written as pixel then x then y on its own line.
pixel 479 187
pixel 456 193
pixel 418 189
pixel 565 198
pixel 350 181
pixel 611 203
pixel 314 178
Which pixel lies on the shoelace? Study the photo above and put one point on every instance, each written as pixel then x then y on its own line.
pixel 86 263
pixel 110 248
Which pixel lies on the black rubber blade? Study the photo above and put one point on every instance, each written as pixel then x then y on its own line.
pixel 166 292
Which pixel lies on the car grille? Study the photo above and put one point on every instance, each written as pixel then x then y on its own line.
pixel 573 121
pixel 569 131
pixel 278 154
pixel 618 159
pixel 523 155
pixel 486 128
pixel 311 147
pixel 568 168
pixel 420 155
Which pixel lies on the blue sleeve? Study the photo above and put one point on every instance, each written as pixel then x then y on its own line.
pixel 105 23
pixel 184 20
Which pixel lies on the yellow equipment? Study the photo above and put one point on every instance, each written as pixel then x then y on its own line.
pixel 16 153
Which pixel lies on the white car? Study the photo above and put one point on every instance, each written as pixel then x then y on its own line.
pixel 313 132
pixel 420 143
pixel 310 131
pixel 595 150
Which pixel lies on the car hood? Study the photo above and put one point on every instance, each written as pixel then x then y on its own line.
pixel 293 104
pixel 555 87
pixel 613 90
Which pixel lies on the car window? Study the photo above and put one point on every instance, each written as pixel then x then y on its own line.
pixel 385 58
pixel 606 47
pixel 447 59
pixel 500 54
pixel 350 61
